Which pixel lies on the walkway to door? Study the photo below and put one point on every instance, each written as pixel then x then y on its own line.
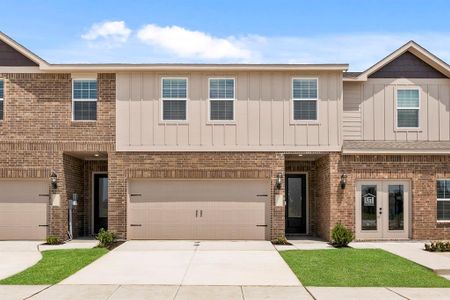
pixel 189 263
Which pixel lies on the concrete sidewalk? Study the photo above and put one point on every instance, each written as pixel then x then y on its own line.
pixel 157 292
pixel 371 293
pixel 414 251
pixel 166 292
pixel 16 256
pixel 72 244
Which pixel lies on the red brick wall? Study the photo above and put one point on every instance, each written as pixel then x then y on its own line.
pixel 124 165
pixel 37 130
pixel 39 107
pixel 73 182
pixel 421 170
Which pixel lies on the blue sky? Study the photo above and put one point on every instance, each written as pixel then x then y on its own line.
pixel 356 32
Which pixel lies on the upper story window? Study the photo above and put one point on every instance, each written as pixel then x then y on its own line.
pixel 221 99
pixel 443 200
pixel 305 96
pixel 1 99
pixel 84 100
pixel 174 99
pixel 408 106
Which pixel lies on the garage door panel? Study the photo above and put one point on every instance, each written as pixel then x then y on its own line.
pixel 232 220
pixel 198 209
pixel 197 190
pixel 18 232
pixel 161 220
pixel 23 209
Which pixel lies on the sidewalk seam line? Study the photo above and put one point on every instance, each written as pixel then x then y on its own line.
pixel 38 292
pixel 309 292
pixel 185 272
pixel 396 293
pixel 118 286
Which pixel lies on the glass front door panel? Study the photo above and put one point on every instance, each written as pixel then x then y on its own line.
pixel 103 197
pixel 396 211
pixel 369 207
pixel 295 200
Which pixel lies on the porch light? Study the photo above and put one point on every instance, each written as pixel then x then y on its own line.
pixel 343 181
pixel 53 180
pixel 278 181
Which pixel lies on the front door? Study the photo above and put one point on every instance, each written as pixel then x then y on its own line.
pixel 296 204
pixel 100 202
pixel 382 210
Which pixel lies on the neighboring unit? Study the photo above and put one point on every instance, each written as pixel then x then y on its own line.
pixel 224 151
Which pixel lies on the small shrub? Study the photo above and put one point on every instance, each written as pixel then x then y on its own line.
pixel 281 240
pixel 341 236
pixel 54 240
pixel 105 237
pixel 438 246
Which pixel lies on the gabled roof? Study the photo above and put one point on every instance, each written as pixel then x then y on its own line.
pixel 22 50
pixel 413 48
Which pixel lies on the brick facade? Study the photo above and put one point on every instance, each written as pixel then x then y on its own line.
pixel 37 136
pixel 422 172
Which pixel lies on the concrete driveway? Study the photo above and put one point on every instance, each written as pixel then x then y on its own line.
pixel 218 263
pixel 16 256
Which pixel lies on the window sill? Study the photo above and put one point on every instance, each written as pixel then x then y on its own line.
pixel 80 122
pixel 233 123
pixel 408 130
pixel 304 123
pixel 173 123
pixel 443 221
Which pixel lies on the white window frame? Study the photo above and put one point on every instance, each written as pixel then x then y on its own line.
pixel 2 99
pixel 441 199
pixel 293 120
pixel 162 99
pixel 83 100
pixel 224 99
pixel 401 88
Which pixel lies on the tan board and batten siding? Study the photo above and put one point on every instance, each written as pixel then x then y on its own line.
pixel 23 209
pixel 370 110
pixel 263 112
pixel 199 209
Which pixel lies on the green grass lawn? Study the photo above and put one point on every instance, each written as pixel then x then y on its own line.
pixel 359 267
pixel 55 266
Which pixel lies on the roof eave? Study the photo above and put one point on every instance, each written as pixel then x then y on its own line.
pixel 387 152
pixel 192 67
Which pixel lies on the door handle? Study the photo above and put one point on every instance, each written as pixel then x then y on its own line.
pixel 381 210
pixel 196 213
pixel 201 213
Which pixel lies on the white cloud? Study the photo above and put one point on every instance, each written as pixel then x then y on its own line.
pixel 174 44
pixel 113 31
pixel 194 44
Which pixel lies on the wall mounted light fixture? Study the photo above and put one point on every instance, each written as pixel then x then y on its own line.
pixel 54 180
pixel 278 181
pixel 343 181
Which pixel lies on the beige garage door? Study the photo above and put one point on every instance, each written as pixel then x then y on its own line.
pixel 23 209
pixel 198 209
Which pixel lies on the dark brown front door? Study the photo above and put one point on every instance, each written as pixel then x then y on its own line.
pixel 100 202
pixel 296 203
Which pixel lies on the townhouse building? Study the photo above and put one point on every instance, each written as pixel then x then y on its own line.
pixel 224 151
